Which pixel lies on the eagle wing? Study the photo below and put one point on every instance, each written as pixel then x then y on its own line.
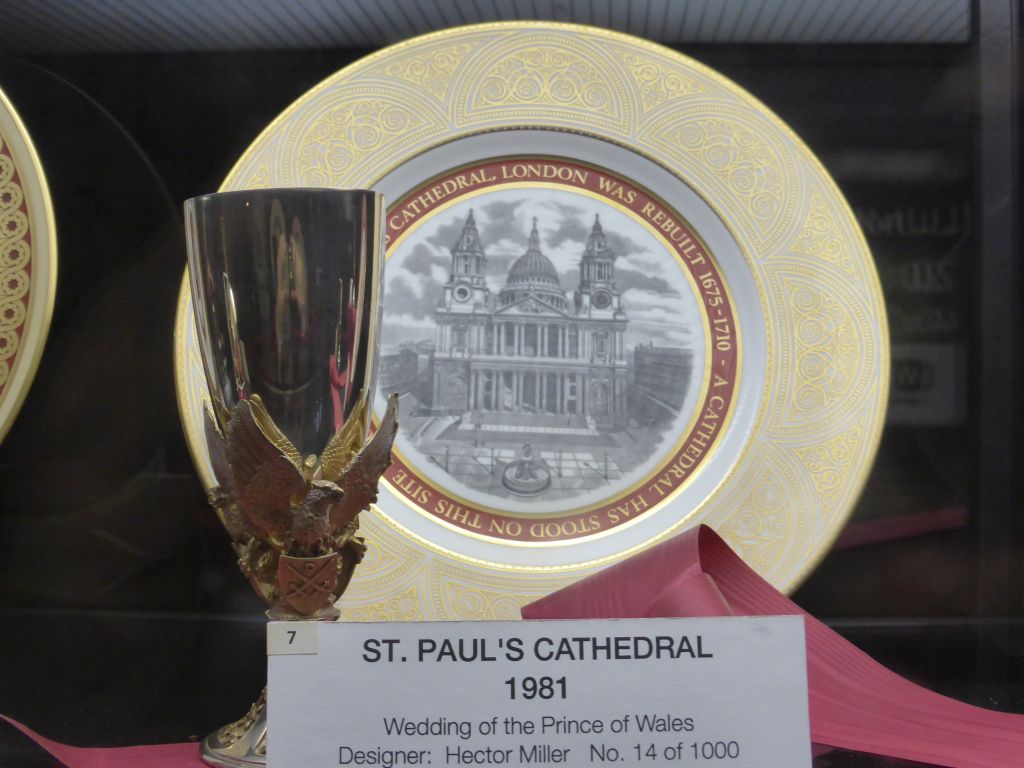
pixel 359 482
pixel 265 466
pixel 344 444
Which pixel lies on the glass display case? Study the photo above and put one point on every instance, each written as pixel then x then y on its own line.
pixel 125 619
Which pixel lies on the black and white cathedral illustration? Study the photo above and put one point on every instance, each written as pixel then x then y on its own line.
pixel 531 350
pixel 532 389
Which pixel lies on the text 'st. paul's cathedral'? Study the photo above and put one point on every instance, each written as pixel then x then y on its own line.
pixel 530 351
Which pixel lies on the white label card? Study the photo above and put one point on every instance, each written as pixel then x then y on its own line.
pixel 653 692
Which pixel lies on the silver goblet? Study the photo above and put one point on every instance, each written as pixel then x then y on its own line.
pixel 286 288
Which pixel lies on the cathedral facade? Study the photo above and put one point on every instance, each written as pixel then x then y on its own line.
pixel 531 351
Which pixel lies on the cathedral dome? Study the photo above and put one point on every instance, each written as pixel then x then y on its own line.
pixel 534 273
pixel 533 268
pixel 535 265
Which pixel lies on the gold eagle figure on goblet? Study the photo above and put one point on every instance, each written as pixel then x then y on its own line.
pixel 293 519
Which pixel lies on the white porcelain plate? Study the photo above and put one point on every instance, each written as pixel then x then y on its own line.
pixel 621 298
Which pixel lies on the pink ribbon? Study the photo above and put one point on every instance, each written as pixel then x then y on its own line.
pixel 855 702
pixel 154 756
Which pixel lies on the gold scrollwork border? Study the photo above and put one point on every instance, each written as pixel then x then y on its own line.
pixel 28 263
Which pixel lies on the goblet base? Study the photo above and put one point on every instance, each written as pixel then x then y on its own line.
pixel 241 744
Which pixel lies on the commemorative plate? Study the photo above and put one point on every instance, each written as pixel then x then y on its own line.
pixel 621 298
pixel 28 263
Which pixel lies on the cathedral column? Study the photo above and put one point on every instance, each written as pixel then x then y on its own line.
pixel 558 392
pixel 544 392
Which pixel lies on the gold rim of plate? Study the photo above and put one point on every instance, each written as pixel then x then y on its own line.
pixel 804 460
pixel 28 264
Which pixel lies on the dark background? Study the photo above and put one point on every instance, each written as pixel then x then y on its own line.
pixel 126 618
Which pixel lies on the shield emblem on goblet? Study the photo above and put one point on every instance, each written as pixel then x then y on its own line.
pixel 286 288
